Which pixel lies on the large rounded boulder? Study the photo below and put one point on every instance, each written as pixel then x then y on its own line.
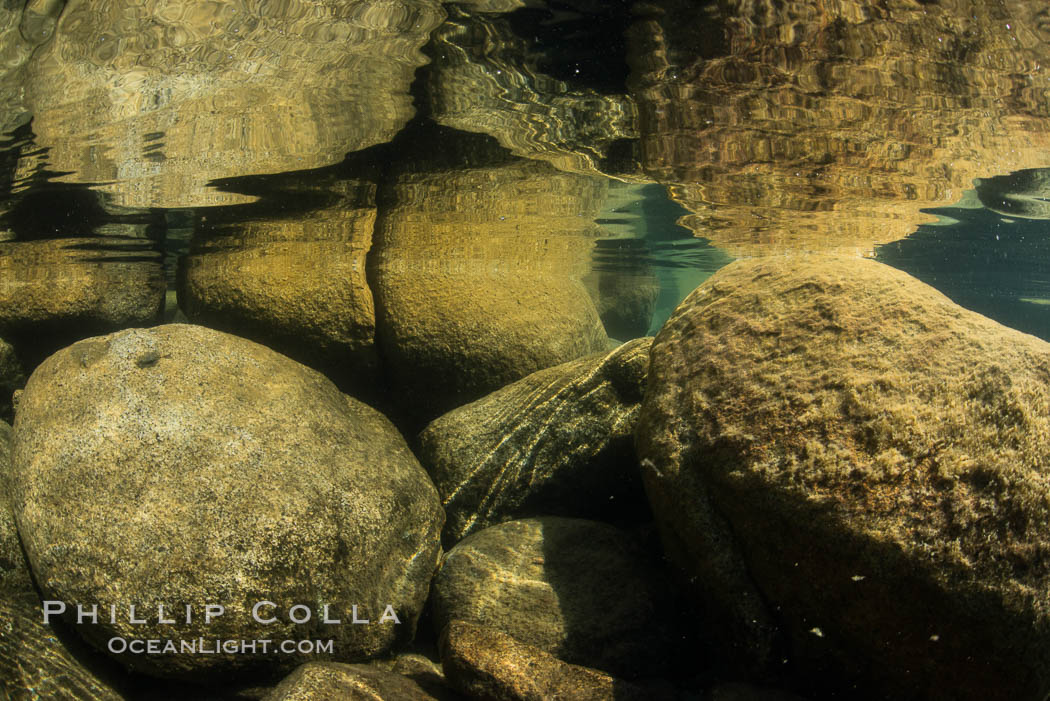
pixel 183 468
pixel 854 473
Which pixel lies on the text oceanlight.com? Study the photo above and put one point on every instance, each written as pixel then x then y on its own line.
pixel 204 646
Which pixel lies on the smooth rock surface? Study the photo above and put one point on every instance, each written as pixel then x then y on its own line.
pixel 557 442
pixel 179 465
pixel 34 664
pixel 484 663
pixel 577 589
pixel 854 473
pixel 319 681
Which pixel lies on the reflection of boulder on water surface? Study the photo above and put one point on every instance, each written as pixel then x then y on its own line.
pixel 162 97
pixel 478 274
pixel 56 291
pixel 485 79
pixel 1025 193
pixel 815 125
pixel 295 282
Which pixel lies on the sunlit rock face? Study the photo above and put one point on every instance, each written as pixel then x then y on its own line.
pixel 485 80
pixel 477 275
pixel 829 125
pixel 156 98
pixel 293 281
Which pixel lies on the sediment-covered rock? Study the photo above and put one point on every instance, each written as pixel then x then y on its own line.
pixel 853 473
pixel 557 442
pixel 352 682
pixel 179 466
pixel 580 590
pixel 484 663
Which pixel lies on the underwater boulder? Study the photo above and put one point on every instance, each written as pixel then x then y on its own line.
pixel 485 663
pixel 580 590
pixel 178 467
pixel 854 474
pixel 294 283
pixel 335 680
pixel 556 442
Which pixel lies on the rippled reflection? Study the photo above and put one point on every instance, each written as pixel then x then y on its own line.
pixel 816 125
pixel 485 79
pixel 478 275
pixel 292 277
pixel 158 97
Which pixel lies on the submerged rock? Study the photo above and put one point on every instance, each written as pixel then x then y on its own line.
pixel 853 473
pixel 179 466
pixel 577 589
pixel 484 663
pixel 34 663
pixel 557 442
pixel 352 682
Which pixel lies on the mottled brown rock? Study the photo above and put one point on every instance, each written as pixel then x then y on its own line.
pixel 484 663
pixel 334 681
pixel 477 276
pixel 295 283
pixel 578 589
pixel 179 465
pixel 14 572
pixel 831 126
pixel 853 473
pixel 34 663
pixel 557 442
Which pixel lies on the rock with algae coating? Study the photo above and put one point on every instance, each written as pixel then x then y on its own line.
pixel 178 466
pixel 853 471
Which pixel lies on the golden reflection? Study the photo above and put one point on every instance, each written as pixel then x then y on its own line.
pixel 96 284
pixel 295 283
pixel 478 276
pixel 158 97
pixel 829 124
